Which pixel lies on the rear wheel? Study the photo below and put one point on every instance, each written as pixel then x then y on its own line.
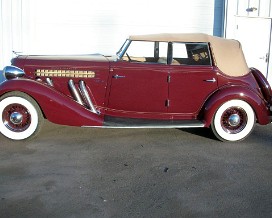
pixel 21 116
pixel 233 121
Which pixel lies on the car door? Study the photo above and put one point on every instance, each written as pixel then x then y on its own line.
pixel 138 81
pixel 193 78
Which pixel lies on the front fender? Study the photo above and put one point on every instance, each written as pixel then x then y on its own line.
pixel 57 107
pixel 228 93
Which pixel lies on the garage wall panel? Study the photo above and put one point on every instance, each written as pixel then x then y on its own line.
pixel 10 29
pixel 249 21
pixel 1 35
pixel 91 26
pixel 6 30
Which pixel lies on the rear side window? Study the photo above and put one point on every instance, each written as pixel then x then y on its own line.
pixel 191 54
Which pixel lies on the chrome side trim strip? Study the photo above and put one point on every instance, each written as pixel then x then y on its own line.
pixel 86 96
pixel 147 127
pixel 75 92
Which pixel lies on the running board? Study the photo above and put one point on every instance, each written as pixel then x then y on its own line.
pixel 113 122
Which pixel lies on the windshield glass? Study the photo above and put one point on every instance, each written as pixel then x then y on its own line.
pixel 120 53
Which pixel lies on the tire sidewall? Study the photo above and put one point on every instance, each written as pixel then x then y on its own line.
pixel 221 133
pixel 31 109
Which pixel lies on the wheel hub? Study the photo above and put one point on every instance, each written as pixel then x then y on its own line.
pixel 16 118
pixel 234 120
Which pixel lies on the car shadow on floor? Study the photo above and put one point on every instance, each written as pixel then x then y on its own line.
pixel 203 132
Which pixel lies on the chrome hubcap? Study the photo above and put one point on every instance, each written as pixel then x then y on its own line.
pixel 234 120
pixel 16 118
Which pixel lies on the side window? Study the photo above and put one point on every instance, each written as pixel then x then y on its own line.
pixel 146 52
pixel 191 54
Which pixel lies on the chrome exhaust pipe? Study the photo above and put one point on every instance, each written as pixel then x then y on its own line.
pixel 75 92
pixel 49 81
pixel 86 96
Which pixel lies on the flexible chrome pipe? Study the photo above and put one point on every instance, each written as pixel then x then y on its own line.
pixel 86 96
pixel 49 81
pixel 75 92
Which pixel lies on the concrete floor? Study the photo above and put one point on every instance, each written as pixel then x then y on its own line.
pixel 77 172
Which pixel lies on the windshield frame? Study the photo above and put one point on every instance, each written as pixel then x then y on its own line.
pixel 123 49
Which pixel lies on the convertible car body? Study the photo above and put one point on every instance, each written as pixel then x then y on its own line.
pixel 154 81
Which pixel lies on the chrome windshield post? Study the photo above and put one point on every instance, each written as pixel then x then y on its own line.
pixel 123 49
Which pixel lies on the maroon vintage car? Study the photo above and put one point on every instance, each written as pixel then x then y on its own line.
pixel 154 81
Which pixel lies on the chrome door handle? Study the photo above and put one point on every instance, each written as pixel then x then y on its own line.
pixel 210 80
pixel 118 77
pixel 265 58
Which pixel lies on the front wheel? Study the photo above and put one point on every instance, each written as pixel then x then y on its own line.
pixel 21 116
pixel 233 121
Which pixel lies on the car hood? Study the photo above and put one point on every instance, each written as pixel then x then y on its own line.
pixel 71 61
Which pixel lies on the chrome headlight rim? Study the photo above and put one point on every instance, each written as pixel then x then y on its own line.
pixel 12 72
pixel 2 76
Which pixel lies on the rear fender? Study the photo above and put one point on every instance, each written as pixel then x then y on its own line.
pixel 56 107
pixel 263 84
pixel 259 106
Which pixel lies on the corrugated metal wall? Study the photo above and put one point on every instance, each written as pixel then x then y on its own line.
pixel 90 26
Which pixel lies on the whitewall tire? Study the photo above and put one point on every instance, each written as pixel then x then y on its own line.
pixel 233 121
pixel 21 116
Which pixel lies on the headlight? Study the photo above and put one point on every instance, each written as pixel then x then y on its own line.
pixel 11 72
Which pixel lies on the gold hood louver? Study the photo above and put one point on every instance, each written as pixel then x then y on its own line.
pixel 65 73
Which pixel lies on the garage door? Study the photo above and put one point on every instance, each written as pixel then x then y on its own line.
pixel 254 35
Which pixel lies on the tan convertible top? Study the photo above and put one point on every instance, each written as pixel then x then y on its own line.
pixel 227 54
